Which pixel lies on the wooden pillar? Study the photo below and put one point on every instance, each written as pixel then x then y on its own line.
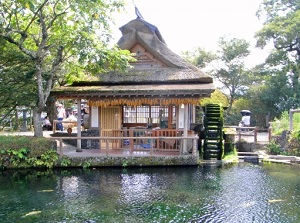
pixel 291 119
pixel 170 116
pixel 185 129
pixel 79 125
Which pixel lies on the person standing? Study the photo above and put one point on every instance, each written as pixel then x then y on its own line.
pixel 246 120
pixel 61 114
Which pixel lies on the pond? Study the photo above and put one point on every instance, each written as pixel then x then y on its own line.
pixel 232 193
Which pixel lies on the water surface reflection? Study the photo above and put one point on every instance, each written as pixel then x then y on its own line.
pixel 232 193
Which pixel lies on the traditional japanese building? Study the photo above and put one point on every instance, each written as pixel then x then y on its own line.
pixel 158 93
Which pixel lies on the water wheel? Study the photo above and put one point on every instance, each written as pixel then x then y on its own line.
pixel 213 132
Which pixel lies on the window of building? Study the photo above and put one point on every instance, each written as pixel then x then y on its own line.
pixel 142 114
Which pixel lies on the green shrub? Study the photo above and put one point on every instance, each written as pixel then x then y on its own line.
pixel 231 156
pixel 279 125
pixel 65 161
pixel 35 145
pixel 293 148
pixel 16 156
pixel 274 148
pixel 26 151
pixel 47 159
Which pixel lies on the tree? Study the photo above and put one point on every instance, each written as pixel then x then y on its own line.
pixel 60 37
pixel 282 26
pixel 217 97
pixel 199 57
pixel 230 70
pixel 226 66
pixel 16 81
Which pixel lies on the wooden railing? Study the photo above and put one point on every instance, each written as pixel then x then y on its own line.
pixel 139 138
pixel 108 143
pixel 250 134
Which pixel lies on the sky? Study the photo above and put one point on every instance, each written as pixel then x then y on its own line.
pixel 188 24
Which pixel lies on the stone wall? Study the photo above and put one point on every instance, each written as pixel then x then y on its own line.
pixel 243 146
pixel 186 160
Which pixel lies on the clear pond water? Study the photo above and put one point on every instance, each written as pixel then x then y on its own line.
pixel 233 193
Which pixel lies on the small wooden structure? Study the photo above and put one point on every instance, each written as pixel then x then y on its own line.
pixel 156 97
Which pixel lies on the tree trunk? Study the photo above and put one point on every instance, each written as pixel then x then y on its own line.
pixel 37 123
pixel 51 109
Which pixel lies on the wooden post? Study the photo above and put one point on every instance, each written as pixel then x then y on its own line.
pixel 54 126
pixel 131 142
pixel 255 134
pixel 185 130
pixel 291 119
pixel 240 135
pixel 194 152
pixel 107 147
pixel 270 133
pixel 60 147
pixel 151 147
pixel 79 126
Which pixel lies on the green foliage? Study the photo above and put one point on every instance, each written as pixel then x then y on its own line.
pixel 35 145
pixel 86 165
pixel 16 156
pixel 231 156
pixel 296 134
pixel 54 42
pixel 282 27
pixel 217 97
pixel 124 163
pixel 232 72
pixel 23 151
pixel 199 57
pixel 17 84
pixel 47 159
pixel 65 161
pixel 293 145
pixel 282 23
pixel 274 148
pixel 235 116
pixel 283 123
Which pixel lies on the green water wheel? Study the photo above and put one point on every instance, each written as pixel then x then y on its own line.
pixel 213 133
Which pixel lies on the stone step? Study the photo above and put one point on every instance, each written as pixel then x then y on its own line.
pixel 247 154
pixel 252 159
pixel 281 157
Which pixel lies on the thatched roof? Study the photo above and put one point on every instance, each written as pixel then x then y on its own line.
pixel 138 31
pixel 158 73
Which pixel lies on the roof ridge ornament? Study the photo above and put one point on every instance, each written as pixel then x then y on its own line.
pixel 138 14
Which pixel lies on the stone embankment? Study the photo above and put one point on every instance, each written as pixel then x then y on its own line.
pixel 261 156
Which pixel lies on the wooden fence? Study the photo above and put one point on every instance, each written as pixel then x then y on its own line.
pixel 251 134
pixel 109 142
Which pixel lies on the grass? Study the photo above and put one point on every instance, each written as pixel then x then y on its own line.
pixel 231 156
pixel 283 123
